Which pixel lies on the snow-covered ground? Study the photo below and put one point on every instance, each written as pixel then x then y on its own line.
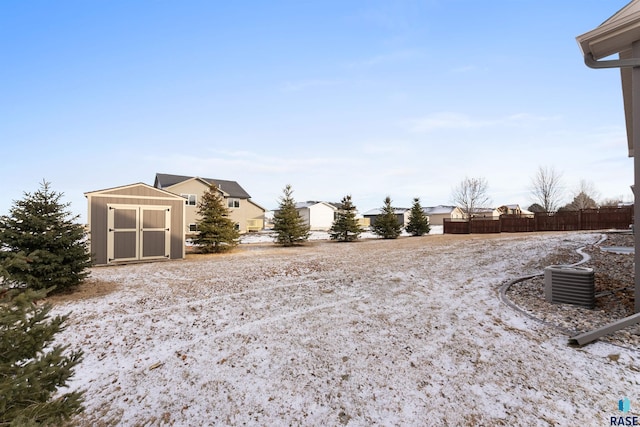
pixel 402 332
pixel 268 236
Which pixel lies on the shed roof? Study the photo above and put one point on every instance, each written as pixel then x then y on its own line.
pixel 232 188
pixel 116 191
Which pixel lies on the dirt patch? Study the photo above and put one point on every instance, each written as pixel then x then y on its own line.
pixel 90 288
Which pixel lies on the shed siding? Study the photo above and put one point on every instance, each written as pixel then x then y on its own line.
pixel 98 217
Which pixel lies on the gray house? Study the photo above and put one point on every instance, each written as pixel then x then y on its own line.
pixel 402 215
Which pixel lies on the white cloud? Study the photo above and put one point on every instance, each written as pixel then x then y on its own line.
pixel 451 120
pixel 446 121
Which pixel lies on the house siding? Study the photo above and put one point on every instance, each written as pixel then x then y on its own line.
pixel 191 186
pixel 322 217
pixel 248 216
pixel 401 218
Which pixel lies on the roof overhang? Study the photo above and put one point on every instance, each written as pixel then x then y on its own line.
pixel 616 36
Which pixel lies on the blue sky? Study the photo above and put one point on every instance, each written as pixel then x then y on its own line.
pixel 368 98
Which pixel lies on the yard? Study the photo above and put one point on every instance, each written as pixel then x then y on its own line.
pixel 402 332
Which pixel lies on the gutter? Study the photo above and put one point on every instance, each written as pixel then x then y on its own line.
pixel 591 62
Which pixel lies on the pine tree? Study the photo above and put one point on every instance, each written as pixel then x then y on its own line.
pixel 289 227
pixel 55 245
pixel 386 224
pixel 418 220
pixel 31 371
pixel 345 227
pixel 216 231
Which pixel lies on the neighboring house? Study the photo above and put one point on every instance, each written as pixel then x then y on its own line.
pixel 514 210
pixel 248 215
pixel 526 214
pixel 437 214
pixel 318 216
pixel 402 215
pixel 488 213
pixel 268 219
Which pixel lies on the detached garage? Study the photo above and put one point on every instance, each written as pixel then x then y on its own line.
pixel 135 222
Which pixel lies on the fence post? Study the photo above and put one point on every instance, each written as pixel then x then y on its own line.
pixel 580 220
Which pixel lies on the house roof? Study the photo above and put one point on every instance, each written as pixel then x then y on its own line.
pixel 484 210
pixel 378 211
pixel 438 210
pixel 308 204
pixel 614 35
pixel 232 188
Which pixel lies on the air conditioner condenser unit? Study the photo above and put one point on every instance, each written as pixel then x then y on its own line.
pixel 570 285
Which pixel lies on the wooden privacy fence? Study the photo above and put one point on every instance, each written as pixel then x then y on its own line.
pixel 587 219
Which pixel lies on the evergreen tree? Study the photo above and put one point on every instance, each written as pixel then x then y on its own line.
pixel 345 227
pixel 386 224
pixel 31 371
pixel 580 201
pixel 41 227
pixel 216 231
pixel 535 208
pixel 289 227
pixel 418 220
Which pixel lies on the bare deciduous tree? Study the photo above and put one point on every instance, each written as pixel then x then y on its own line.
pixel 470 195
pixel 611 202
pixel 584 197
pixel 588 188
pixel 546 188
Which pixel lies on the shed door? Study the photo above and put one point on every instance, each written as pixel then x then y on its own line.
pixel 137 232
pixel 155 238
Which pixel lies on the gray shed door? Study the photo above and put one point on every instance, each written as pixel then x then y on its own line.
pixel 138 232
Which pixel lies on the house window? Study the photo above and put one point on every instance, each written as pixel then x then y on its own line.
pixel 190 199
pixel 234 203
pixel 193 227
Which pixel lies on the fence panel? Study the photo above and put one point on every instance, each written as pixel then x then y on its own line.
pixel 603 218
pixel 455 227
pixel 558 221
pixel 588 219
pixel 567 220
pixel 481 225
pixel 517 224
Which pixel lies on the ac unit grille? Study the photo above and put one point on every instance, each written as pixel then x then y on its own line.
pixel 570 285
